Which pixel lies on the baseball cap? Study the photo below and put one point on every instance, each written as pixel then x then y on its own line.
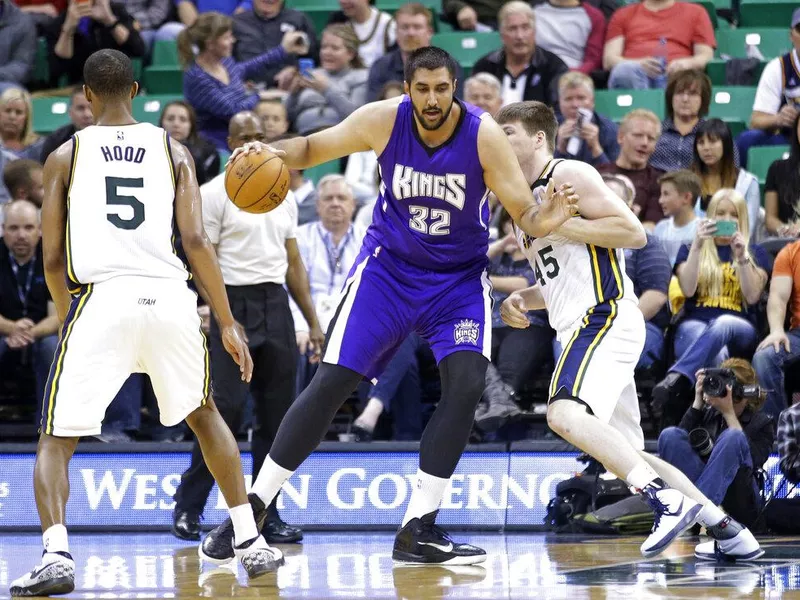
pixel 796 18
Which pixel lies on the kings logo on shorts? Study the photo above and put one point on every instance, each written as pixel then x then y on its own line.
pixel 467 332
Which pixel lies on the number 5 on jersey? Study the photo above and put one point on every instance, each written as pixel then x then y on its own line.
pixel 549 264
pixel 438 224
pixel 114 198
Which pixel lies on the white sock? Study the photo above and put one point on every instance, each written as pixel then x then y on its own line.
pixel 370 415
pixel 641 475
pixel 710 515
pixel 269 481
pixel 244 525
pixel 55 539
pixel 426 496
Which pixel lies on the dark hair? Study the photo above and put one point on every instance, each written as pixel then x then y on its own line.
pixel 208 27
pixel 18 173
pixel 684 181
pixel 76 90
pixel 534 116
pixel 715 129
pixel 192 118
pixel 683 80
pixel 109 74
pixel 388 86
pixel 429 58
pixel 502 219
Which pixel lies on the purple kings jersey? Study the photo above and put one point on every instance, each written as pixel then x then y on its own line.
pixel 432 210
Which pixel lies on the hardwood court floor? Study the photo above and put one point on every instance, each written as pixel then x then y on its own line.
pixel 359 566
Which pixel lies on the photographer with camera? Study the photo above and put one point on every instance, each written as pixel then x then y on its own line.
pixel 723 439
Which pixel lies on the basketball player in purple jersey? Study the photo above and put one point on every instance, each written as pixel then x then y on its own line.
pixel 421 268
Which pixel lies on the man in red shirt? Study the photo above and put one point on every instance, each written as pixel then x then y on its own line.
pixel 649 40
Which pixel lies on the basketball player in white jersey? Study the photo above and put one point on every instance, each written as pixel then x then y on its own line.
pixel 112 195
pixel 581 281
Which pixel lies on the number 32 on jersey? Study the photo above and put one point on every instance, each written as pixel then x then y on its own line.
pixel 433 221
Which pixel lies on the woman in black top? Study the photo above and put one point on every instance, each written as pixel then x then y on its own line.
pixel 179 120
pixel 782 191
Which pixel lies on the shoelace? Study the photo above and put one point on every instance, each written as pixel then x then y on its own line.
pixel 434 529
pixel 658 506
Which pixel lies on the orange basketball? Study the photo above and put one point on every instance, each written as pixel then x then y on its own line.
pixel 257 182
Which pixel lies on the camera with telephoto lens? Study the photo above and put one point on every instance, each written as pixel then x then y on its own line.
pixel 701 442
pixel 716 382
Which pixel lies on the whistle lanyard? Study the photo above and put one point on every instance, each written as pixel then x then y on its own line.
pixel 23 292
pixel 334 255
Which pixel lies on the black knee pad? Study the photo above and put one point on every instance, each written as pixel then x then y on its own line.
pixel 563 394
pixel 464 374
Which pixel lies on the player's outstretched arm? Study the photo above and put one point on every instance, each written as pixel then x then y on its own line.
pixel 54 226
pixel 367 128
pixel 203 259
pixel 502 175
pixel 606 221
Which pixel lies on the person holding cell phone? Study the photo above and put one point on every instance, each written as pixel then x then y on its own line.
pixel 324 96
pixel 721 274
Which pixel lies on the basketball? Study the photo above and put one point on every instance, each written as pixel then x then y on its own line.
pixel 257 182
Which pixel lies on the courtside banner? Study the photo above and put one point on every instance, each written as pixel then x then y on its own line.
pixel 330 490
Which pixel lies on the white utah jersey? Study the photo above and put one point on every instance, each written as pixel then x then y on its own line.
pixel 121 205
pixel 573 278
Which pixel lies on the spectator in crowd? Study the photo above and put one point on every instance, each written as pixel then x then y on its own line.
pixel 274 116
pixel 688 97
pixel 23 180
pixel 653 39
pixel 16 124
pixel 305 193
pixel 721 275
pixel 214 83
pixel 43 12
pixel 472 15
pixel 189 10
pixel 650 270
pixel 17 46
pixel 527 71
pixel 789 444
pixel 714 162
pixel 326 96
pixel 80 117
pixel 28 320
pixel 780 347
pixel 259 30
pixel 574 31
pixel 361 171
pixel 86 27
pixel 517 353
pixel 414 30
pixel 485 91
pixel 148 17
pixel 179 120
pixel 738 441
pixel 376 30
pixel 6 158
pixel 781 198
pixel 257 254
pixel 637 137
pixel 680 191
pixel 595 137
pixel 328 248
pixel 775 107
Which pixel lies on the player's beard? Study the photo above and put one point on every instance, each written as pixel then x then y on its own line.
pixel 439 123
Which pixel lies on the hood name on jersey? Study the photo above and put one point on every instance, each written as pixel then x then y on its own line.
pixel 408 183
pixel 128 153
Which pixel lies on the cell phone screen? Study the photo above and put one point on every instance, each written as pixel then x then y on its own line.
pixel 725 228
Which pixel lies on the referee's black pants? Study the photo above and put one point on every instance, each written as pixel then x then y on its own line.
pixel 263 310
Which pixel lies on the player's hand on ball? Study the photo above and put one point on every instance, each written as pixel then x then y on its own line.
pixel 254 148
pixel 513 310
pixel 316 340
pixel 234 341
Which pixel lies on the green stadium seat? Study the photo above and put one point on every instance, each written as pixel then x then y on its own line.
pixel 467 47
pixel 733 105
pixel 147 109
pixel 224 155
pixel 391 6
pixel 319 11
pixel 163 79
pixel 318 172
pixel 771 41
pixel 716 71
pixel 165 53
pixel 50 113
pixel 615 104
pixel 761 157
pixel 41 65
pixel 767 13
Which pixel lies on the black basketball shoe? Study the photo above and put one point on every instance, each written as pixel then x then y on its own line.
pixel 421 541
pixel 217 547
